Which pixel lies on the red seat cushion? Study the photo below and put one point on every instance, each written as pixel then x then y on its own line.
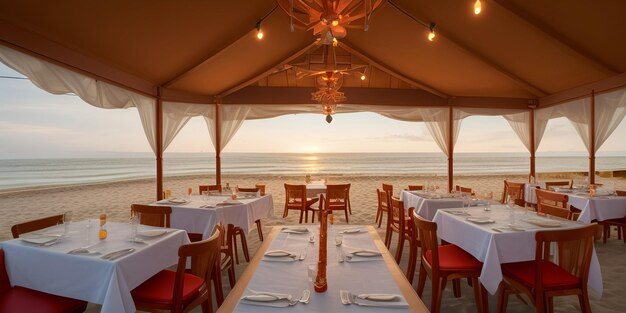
pixel 454 258
pixel 160 287
pixel 554 277
pixel 20 299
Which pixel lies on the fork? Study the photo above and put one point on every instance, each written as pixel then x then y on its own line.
pixel 346 297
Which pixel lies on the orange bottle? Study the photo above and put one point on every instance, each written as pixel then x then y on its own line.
pixel 102 234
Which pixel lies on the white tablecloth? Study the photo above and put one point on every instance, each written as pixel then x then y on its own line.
pixel 314 188
pixel 194 219
pixel 426 207
pixel 495 248
pixel 598 208
pixel 291 277
pixel 90 278
pixel 530 196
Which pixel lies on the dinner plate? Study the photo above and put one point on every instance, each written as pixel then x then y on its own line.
pixel 152 232
pixel 278 253
pixel 366 253
pixel 544 222
pixel 480 220
pixel 177 201
pixel 41 240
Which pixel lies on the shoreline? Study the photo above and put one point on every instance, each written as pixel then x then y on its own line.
pixel 619 173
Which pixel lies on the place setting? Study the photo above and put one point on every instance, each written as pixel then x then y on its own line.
pixel 373 299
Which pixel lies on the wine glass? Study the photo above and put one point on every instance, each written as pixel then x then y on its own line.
pixel 205 196
pixel 67 219
pixel 311 272
pixel 134 225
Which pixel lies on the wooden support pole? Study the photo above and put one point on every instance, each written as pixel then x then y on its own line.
pixel 592 140
pixel 532 144
pixel 451 151
pixel 159 144
pixel 218 142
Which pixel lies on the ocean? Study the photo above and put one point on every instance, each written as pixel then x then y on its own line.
pixel 26 173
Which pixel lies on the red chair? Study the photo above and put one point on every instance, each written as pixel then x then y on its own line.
pixel 443 263
pixel 542 279
pixel 19 299
pixel 181 291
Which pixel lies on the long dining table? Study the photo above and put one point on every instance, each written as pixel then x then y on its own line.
pixel 376 275
pixel 89 275
pixel 200 215
pixel 495 237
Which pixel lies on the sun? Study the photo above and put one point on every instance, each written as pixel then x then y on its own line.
pixel 309 149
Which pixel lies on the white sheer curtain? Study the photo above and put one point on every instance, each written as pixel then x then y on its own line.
pixel 520 123
pixel 59 80
pixel 232 117
pixel 177 114
pixel 610 111
pixel 578 112
pixel 438 124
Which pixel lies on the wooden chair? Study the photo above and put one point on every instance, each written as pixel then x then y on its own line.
pixel 261 188
pixel 552 203
pixel 383 206
pixel 416 187
pixel 619 222
pixel 515 190
pixel 443 263
pixel 181 290
pixel 563 184
pixel 152 215
pixel 388 188
pixel 232 232
pixel 224 262
pixel 33 225
pixel 464 189
pixel 20 299
pixel 202 188
pixel 542 279
pixel 295 199
pixel 337 198
pixel 399 222
pixel 414 243
pixel 255 189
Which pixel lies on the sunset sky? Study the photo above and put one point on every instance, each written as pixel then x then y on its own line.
pixel 35 124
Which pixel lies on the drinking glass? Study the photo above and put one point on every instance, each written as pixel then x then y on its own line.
pixel 67 219
pixel 338 239
pixel 88 232
pixel 311 272
pixel 134 225
pixel 205 197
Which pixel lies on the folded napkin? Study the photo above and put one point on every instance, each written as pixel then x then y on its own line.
pixel 480 220
pixel 230 202
pixel 353 230
pixel 295 230
pixel 172 201
pixel 279 256
pixel 278 300
pixel 381 300
pixel 363 255
pixel 543 222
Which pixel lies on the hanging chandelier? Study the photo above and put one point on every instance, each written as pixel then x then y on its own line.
pixel 328 94
pixel 329 19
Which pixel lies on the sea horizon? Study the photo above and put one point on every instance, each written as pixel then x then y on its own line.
pixel 43 172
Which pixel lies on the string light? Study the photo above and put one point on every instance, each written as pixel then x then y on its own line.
pixel 335 42
pixel 363 76
pixel 431 35
pixel 477 7
pixel 259 31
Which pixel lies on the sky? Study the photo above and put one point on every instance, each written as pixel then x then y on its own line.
pixel 36 124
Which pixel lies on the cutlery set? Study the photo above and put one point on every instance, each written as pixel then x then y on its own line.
pixel 381 300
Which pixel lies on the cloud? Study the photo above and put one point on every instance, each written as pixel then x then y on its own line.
pixel 408 137
pixel 18 128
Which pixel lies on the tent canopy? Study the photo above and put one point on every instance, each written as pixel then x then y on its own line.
pixel 514 54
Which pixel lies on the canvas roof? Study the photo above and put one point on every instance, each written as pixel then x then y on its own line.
pixel 514 54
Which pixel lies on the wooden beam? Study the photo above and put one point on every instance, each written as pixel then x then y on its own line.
pixel 532 145
pixel 465 48
pixel 392 72
pixel 159 145
pixel 173 95
pixel 451 150
pixel 558 37
pixel 592 140
pixel 218 142
pixel 267 72
pixel 492 102
pixel 600 86
pixel 42 48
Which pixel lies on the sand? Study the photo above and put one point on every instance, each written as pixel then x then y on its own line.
pixel 87 201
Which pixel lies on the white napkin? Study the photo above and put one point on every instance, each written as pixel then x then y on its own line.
pixel 380 300
pixel 295 230
pixel 279 256
pixel 278 300
pixel 353 230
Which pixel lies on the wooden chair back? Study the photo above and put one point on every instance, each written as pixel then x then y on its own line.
pixel 552 203
pixel 203 255
pixel 621 193
pixel 337 195
pixel 152 215
pixel 464 189
pixel 388 188
pixel 575 248
pixel 563 184
pixel 397 214
pixel 249 190
pixel 514 190
pixel 416 187
pixel 295 196
pixel 33 225
pixel 202 188
pixel 427 234
pixel 383 199
pixel 261 188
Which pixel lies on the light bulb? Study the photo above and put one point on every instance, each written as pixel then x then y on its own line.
pixel 477 7
pixel 259 34
pixel 431 35
pixel 362 76
pixel 335 42
pixel 335 22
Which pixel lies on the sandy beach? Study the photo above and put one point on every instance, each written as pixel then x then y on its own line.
pixel 87 201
